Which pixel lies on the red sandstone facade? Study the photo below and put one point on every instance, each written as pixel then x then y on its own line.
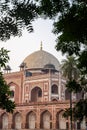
pixel 40 96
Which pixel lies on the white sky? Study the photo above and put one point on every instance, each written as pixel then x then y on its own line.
pixel 20 47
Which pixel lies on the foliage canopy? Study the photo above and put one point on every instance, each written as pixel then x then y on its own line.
pixel 5 93
pixel 15 15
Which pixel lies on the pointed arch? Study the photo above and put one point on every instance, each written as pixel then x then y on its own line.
pixel 61 122
pixel 46 119
pixel 15 90
pixel 54 89
pixel 31 120
pixel 17 120
pixel 36 94
pixel 12 84
pixel 5 121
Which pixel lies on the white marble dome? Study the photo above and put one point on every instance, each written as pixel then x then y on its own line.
pixel 41 58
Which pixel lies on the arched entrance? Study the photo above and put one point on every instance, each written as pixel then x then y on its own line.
pixel 31 120
pixel 36 94
pixel 18 121
pixel 4 121
pixel 46 120
pixel 62 121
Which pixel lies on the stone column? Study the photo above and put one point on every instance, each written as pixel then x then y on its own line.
pixel 50 85
pixel 38 118
pixel 54 123
pixel 23 120
pixel 59 88
pixel 10 121
pixel 53 118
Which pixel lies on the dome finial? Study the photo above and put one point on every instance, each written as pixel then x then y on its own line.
pixel 41 46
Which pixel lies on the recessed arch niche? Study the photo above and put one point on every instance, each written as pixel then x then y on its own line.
pixel 36 94
pixel 54 89
pixel 31 120
pixel 46 118
pixel 17 121
pixel 5 121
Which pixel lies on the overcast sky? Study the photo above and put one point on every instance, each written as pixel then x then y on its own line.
pixel 21 47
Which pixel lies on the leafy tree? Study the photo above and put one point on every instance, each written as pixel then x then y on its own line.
pixel 69 68
pixel 70 18
pixel 71 72
pixel 80 109
pixel 5 102
pixel 3 57
pixel 70 26
pixel 16 15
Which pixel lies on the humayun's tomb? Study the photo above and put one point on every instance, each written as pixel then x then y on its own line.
pixel 39 92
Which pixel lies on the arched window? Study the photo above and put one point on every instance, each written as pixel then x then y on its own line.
pixel 39 93
pixel 12 94
pixel 54 89
pixel 36 94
